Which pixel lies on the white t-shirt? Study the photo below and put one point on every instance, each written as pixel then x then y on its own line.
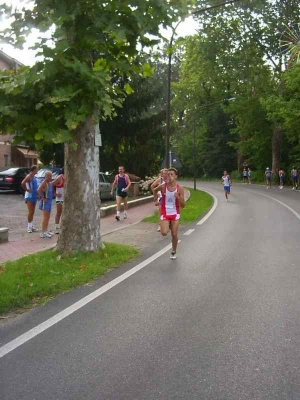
pixel 226 180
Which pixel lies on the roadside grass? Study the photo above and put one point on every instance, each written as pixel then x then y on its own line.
pixel 35 279
pixel 198 204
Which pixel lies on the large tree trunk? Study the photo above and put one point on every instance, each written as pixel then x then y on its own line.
pixel 276 149
pixel 80 225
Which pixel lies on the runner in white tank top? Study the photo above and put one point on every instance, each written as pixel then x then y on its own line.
pixel 226 181
pixel 172 200
pixel 158 196
pixel 59 184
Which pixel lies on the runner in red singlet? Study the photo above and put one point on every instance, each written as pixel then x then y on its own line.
pixel 172 200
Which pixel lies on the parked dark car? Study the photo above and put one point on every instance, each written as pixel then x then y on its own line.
pixel 12 178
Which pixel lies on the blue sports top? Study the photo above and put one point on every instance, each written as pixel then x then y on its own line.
pixel 33 185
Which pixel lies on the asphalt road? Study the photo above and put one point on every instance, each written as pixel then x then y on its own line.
pixel 219 323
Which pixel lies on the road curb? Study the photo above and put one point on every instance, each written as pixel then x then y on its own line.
pixel 109 210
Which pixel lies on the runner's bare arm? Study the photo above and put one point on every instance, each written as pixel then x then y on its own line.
pixel 153 186
pixel 155 183
pixel 41 188
pixel 56 181
pixel 158 188
pixel 180 196
pixel 113 186
pixel 129 183
pixel 24 181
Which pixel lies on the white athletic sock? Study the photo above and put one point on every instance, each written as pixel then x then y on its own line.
pixel 57 226
pixel 30 224
pixel 118 213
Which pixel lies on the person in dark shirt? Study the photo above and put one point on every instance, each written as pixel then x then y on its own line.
pixel 122 184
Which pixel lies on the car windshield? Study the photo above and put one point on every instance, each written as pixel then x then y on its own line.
pixel 10 171
pixel 55 172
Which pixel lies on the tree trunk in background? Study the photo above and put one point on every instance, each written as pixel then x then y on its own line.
pixel 80 224
pixel 276 149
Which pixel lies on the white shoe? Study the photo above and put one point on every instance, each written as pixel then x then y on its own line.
pixel 45 235
pixel 57 230
pixel 50 233
pixel 125 215
pixel 158 229
pixel 34 229
pixel 226 200
pixel 173 255
pixel 29 230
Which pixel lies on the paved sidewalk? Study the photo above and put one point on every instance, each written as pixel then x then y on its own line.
pixel 19 246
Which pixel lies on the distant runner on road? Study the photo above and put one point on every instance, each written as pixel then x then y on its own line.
pixel 268 175
pixel 30 186
pixel 245 176
pixel 59 185
pixel 281 178
pixel 249 176
pixel 172 200
pixel 226 181
pixel 163 178
pixel 294 177
pixel 122 184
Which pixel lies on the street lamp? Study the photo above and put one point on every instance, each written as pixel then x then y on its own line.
pixel 168 108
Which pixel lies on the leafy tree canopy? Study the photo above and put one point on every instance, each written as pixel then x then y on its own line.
pixel 93 45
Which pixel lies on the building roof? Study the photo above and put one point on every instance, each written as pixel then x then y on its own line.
pixel 12 62
pixel 27 152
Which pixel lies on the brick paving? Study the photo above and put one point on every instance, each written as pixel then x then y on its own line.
pixel 23 243
pixel 13 215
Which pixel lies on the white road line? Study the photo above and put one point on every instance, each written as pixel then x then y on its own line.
pixel 7 348
pixel 280 202
pixel 212 210
pixel 187 233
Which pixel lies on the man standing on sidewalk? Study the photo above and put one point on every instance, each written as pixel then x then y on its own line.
pixel 172 200
pixel 294 177
pixel 122 184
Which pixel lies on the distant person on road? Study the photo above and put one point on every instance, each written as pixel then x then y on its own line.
pixel 226 181
pixel 45 192
pixel 163 178
pixel 59 187
pixel 245 176
pixel 268 175
pixel 249 176
pixel 30 185
pixel 122 184
pixel 172 201
pixel 281 178
pixel 294 178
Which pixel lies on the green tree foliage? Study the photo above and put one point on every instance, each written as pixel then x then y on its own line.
pixel 238 54
pixel 93 47
pixel 93 44
pixel 135 137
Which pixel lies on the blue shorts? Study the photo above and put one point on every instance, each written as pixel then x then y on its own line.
pixel 227 189
pixel 45 205
pixel 294 178
pixel 28 199
pixel 268 178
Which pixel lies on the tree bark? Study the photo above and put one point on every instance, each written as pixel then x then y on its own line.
pixel 80 224
pixel 276 149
